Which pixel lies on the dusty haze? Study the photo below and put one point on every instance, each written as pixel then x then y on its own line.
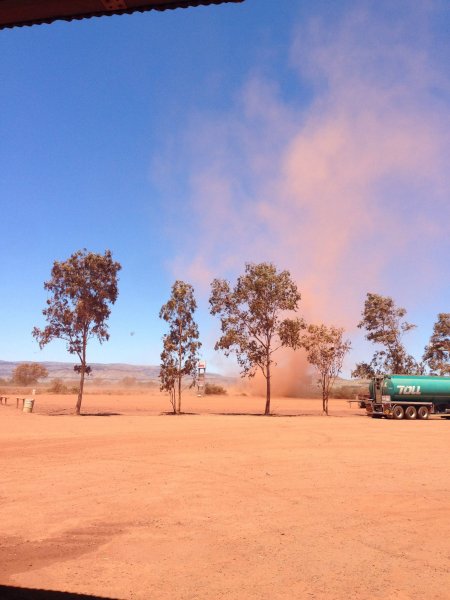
pixel 349 191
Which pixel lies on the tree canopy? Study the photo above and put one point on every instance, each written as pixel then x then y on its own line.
pixel 81 292
pixel 384 324
pixel 437 352
pixel 27 373
pixel 253 321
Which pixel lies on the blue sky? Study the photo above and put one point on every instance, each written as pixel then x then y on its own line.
pixel 315 135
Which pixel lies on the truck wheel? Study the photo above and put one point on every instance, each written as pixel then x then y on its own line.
pixel 410 413
pixel 398 412
pixel 423 412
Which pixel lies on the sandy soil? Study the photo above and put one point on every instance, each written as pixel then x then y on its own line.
pixel 212 505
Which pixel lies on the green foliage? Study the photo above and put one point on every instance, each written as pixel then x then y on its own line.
pixel 213 389
pixel 179 357
pixel 384 325
pixel 81 291
pixel 28 373
pixel 326 349
pixel 437 352
pixel 251 316
pixel 363 370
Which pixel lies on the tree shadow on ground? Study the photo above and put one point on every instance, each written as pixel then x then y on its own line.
pixel 56 414
pixel 170 413
pixel 249 414
pixel 276 415
pixel 101 414
pixel 72 414
pixel 18 593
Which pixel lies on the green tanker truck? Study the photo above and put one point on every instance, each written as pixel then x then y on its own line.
pixel 408 396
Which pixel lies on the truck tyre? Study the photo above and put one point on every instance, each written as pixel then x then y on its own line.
pixel 398 412
pixel 423 412
pixel 410 413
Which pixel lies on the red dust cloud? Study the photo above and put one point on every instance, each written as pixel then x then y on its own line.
pixel 335 191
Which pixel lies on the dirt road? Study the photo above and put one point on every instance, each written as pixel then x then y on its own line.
pixel 138 505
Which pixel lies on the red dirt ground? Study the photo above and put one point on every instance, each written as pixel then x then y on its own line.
pixel 210 505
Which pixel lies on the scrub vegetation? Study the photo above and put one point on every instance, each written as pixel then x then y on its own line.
pixel 258 316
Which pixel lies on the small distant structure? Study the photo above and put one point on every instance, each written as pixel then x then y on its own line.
pixel 201 375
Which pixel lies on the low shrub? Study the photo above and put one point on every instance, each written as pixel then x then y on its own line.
pixel 58 387
pixel 214 389
pixel 346 391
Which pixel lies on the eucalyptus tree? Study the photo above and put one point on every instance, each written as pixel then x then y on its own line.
pixel 253 318
pixel 181 345
pixel 325 350
pixel 385 326
pixel 81 292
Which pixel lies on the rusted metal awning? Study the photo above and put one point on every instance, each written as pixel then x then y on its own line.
pixel 16 13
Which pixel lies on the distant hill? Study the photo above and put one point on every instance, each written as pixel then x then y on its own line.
pixel 108 373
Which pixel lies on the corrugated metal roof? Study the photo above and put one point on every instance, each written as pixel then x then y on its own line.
pixel 17 13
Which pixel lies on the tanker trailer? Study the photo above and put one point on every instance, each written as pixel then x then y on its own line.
pixel 408 396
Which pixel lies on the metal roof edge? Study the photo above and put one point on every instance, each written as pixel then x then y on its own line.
pixel 126 11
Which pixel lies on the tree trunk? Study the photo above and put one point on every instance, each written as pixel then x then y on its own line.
pixel 267 410
pixel 179 369
pixel 325 394
pixel 80 392
pixel 82 373
pixel 179 394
